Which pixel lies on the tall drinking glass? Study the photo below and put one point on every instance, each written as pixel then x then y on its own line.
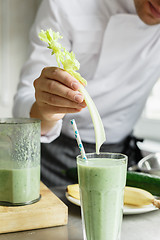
pixel 102 179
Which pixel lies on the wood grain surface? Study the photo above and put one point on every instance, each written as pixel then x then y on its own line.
pixel 48 212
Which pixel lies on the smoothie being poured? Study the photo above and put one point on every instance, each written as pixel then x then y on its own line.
pixel 71 65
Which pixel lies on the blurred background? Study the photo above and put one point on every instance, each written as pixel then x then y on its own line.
pixel 16 18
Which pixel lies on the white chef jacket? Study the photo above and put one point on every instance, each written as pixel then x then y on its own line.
pixel 119 57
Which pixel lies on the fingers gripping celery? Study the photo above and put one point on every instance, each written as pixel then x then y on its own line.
pixel 71 65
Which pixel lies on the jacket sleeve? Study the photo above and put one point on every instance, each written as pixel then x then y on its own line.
pixel 39 57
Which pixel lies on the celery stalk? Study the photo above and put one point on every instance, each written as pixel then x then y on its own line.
pixel 71 65
pixel 96 119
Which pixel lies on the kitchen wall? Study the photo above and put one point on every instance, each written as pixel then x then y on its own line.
pixel 16 18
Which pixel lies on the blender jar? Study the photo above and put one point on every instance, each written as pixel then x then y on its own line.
pixel 19 161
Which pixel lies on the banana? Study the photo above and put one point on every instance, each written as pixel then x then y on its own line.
pixel 132 196
pixel 73 191
pixel 137 196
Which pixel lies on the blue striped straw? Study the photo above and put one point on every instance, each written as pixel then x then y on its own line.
pixel 77 136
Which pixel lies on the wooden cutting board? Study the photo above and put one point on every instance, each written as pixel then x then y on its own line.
pixel 48 212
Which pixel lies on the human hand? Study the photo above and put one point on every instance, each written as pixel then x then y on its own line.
pixel 56 93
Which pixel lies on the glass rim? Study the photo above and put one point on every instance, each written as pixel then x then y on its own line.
pixel 19 120
pixel 109 154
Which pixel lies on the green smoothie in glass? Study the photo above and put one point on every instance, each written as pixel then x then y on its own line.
pixel 19 185
pixel 102 180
